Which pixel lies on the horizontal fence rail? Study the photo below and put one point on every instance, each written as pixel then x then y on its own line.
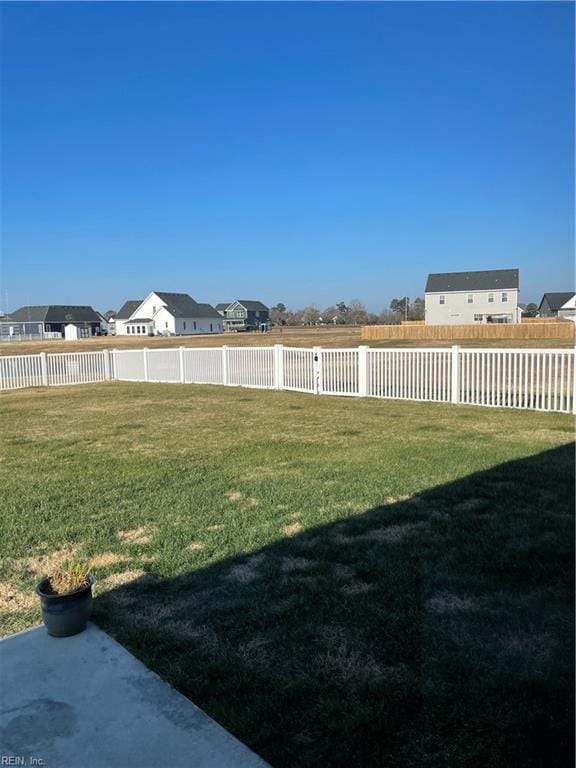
pixel 536 379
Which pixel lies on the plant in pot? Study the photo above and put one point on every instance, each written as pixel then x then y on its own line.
pixel 66 598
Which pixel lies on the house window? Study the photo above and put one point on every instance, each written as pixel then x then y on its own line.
pixel 442 299
pixel 166 324
pixel 153 310
pixel 184 324
pixel 477 318
pixel 490 298
pixel 504 296
pixel 194 324
pixel 210 327
pixel 470 298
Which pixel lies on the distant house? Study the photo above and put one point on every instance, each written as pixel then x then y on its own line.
pixel 50 319
pixel 243 315
pixel 461 298
pixel 166 314
pixel 552 304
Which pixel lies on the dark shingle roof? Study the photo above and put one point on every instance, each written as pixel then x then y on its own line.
pixel 55 313
pixel 253 305
pixel 485 280
pixel 183 305
pixel 128 308
pixel 207 310
pixel 556 300
pixel 223 305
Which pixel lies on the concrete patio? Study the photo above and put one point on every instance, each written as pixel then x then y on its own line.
pixel 86 702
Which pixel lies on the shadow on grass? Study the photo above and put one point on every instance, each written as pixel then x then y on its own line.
pixel 435 631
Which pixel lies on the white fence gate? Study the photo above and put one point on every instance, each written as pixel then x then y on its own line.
pixel 542 379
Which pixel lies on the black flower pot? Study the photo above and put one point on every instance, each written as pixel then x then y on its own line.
pixel 66 614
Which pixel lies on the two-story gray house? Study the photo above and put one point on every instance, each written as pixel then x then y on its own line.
pixel 243 315
pixel 462 298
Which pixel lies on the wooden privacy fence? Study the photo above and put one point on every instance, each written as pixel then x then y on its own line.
pixel 556 330
pixel 538 379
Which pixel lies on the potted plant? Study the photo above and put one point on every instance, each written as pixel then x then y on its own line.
pixel 66 599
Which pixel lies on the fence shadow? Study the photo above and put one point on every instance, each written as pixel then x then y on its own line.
pixel 433 631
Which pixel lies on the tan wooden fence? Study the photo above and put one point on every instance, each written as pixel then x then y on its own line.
pixel 558 330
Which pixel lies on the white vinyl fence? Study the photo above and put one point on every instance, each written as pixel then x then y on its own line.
pixel 542 379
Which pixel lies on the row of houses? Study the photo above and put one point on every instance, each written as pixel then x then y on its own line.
pixel 160 313
pixel 486 296
pixel 178 314
pixel 451 298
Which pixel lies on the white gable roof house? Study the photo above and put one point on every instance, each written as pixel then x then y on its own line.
pixel 167 314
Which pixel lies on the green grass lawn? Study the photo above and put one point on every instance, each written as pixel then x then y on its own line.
pixel 338 582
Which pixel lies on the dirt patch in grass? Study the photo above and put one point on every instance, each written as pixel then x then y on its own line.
pixel 446 602
pixel 233 496
pixel 119 580
pixel 396 533
pixel 135 536
pixel 13 600
pixel 245 572
pixel 107 558
pixel 469 505
pixel 357 587
pixel 292 529
pixel 195 546
pixel 45 565
pixel 291 564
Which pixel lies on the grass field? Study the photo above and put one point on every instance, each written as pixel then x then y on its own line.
pixel 339 582
pixel 340 336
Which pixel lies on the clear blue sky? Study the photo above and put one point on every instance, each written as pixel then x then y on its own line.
pixel 288 152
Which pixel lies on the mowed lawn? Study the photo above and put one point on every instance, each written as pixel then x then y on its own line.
pixel 338 582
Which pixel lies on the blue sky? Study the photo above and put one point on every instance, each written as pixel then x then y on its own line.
pixel 289 152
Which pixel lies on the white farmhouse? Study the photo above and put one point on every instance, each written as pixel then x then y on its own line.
pixel 167 314
pixel 462 298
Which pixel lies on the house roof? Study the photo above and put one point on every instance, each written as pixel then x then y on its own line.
pixel 55 313
pixel 556 300
pixel 183 305
pixel 252 305
pixel 128 308
pixel 140 320
pixel 223 305
pixel 485 280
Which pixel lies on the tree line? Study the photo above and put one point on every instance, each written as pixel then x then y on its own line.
pixel 352 313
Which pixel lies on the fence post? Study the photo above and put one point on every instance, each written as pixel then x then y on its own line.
pixel 145 354
pixel 224 364
pixel 317 358
pixel 106 353
pixel 455 386
pixel 181 359
pixel 278 366
pixel 363 371
pixel 113 365
pixel 44 368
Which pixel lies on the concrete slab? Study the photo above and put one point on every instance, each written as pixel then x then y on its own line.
pixel 86 702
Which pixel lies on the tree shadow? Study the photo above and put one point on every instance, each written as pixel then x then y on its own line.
pixel 433 631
